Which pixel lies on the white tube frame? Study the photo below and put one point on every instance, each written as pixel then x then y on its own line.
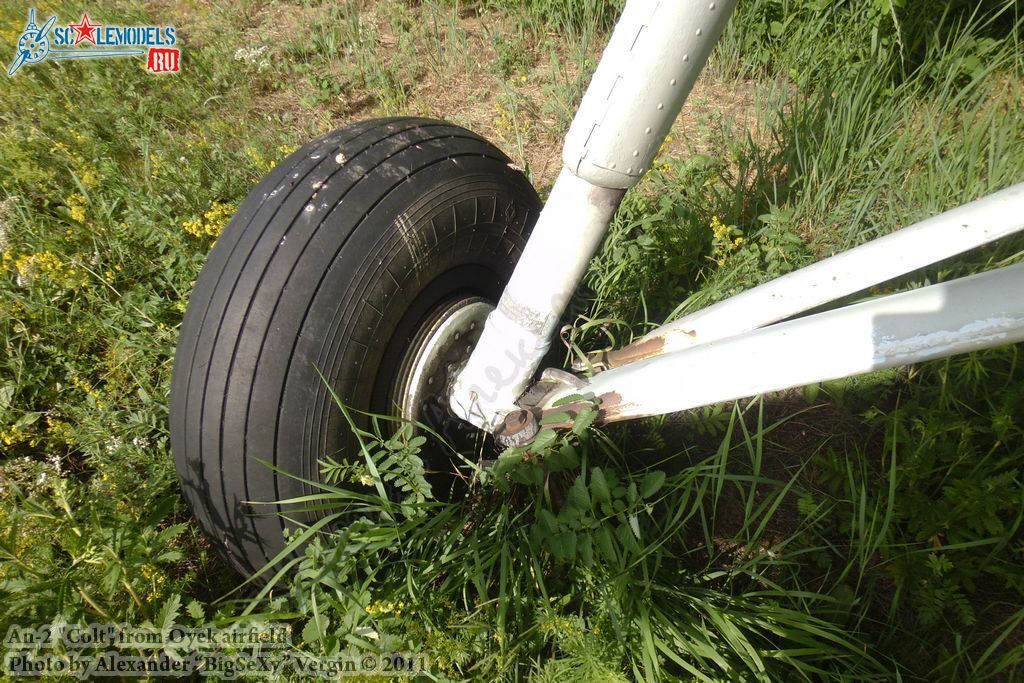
pixel 940 320
pixel 652 61
pixel 950 233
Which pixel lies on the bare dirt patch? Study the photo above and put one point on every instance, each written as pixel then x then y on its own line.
pixel 444 64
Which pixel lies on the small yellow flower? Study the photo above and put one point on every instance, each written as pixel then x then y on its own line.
pixel 262 164
pixel 82 385
pixel 212 222
pixel 156 166
pixel 59 431
pixel 46 265
pixel 12 435
pixel 720 229
pixel 726 239
pixel 90 178
pixel 76 207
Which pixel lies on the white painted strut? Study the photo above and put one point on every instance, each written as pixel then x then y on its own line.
pixel 655 54
pixel 942 236
pixel 653 58
pixel 517 333
pixel 932 322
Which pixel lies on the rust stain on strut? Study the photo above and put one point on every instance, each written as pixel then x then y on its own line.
pixel 632 353
pixel 607 410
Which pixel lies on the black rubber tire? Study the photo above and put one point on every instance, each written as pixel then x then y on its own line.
pixel 329 266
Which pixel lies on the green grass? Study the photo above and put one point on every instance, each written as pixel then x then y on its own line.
pixel 860 529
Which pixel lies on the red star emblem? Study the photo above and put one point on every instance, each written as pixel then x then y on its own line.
pixel 84 30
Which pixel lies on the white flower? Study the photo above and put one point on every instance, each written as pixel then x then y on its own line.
pixel 253 55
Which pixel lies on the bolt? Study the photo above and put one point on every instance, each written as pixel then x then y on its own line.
pixel 518 428
pixel 515 421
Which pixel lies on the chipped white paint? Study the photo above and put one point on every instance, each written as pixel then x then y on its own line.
pixel 993 330
pixel 932 322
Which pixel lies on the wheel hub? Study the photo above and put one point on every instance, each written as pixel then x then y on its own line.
pixel 435 356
